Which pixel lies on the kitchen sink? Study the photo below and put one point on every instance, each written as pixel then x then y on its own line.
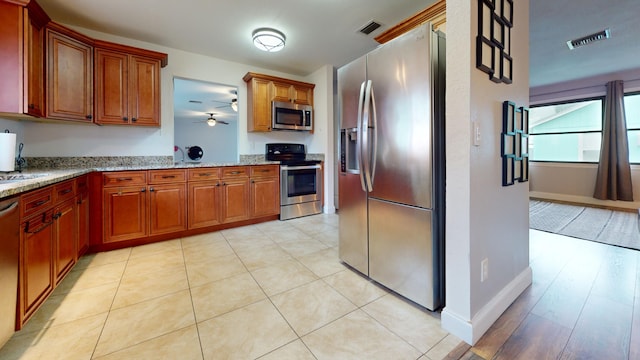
pixel 11 178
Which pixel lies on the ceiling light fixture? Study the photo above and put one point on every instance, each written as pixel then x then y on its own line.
pixel 267 39
pixel 234 105
pixel 211 121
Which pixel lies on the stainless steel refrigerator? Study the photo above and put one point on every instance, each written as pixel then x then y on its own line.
pixel 391 176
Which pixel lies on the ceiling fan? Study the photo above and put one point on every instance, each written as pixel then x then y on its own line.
pixel 211 121
pixel 233 104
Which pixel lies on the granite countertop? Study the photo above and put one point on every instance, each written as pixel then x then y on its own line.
pixel 48 176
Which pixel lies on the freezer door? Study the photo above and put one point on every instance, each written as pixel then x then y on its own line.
pixel 350 79
pixel 402 251
pixel 401 84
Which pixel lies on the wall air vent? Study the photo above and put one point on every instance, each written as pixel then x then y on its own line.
pixel 370 27
pixel 586 40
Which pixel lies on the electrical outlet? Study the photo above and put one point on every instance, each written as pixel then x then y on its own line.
pixel 484 270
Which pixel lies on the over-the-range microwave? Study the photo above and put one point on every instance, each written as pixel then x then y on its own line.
pixel 290 116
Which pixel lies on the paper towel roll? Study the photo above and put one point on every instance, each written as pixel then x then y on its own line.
pixel 7 151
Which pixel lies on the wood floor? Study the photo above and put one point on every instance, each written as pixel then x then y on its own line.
pixel 584 303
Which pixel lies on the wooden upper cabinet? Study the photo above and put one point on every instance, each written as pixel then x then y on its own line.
pixel 258 107
pixel 22 65
pixel 263 89
pixel 69 74
pixel 35 20
pixel 299 94
pixel 127 89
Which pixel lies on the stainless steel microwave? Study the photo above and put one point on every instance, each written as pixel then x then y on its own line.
pixel 290 116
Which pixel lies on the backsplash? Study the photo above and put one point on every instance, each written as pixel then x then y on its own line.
pixel 96 161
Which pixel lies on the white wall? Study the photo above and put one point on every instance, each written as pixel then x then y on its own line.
pixel 53 139
pixel 484 219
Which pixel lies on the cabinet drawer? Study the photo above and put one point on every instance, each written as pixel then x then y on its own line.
pixel 124 178
pixel 166 176
pixel 265 170
pixel 203 174
pixel 234 172
pixel 64 191
pixel 35 201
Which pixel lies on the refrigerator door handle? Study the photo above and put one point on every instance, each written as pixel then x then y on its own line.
pixel 359 149
pixel 366 157
pixel 374 141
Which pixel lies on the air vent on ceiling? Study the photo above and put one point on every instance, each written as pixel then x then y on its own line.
pixel 586 40
pixel 370 27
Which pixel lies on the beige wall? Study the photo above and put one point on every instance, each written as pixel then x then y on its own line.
pixel 484 219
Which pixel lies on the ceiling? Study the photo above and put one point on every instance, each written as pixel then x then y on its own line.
pixel 321 32
pixel 193 99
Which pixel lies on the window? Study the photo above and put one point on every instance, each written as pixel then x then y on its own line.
pixel 632 114
pixel 568 132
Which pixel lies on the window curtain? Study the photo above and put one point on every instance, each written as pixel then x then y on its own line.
pixel 614 173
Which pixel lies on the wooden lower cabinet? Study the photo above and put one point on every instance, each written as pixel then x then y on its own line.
pixel 125 213
pixel 36 269
pixel 235 200
pixel 265 190
pixel 167 211
pixel 65 222
pixel 204 204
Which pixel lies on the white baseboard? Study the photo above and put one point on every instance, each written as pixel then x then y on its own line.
pixel 472 331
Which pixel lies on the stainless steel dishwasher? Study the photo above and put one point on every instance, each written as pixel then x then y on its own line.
pixel 9 258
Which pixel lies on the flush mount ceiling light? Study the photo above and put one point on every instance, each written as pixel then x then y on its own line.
pixel 267 39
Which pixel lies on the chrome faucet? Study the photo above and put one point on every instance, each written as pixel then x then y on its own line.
pixel 176 148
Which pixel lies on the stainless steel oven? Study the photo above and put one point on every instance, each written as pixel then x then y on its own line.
pixel 300 190
pixel 300 180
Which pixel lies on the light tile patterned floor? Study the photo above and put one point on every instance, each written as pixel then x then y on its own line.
pixel 274 290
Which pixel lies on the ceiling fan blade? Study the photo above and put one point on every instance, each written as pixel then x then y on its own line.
pixel 222 122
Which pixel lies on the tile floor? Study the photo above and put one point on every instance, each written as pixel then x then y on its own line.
pixel 274 290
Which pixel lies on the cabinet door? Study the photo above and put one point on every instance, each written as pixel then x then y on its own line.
pixel 125 213
pixel 36 270
pixel 281 92
pixel 111 87
pixel 302 95
pixel 204 204
pixel 82 203
pixel 265 196
pixel 144 91
pixel 259 107
pixel 65 236
pixel 235 200
pixel 69 78
pixel 34 66
pixel 167 207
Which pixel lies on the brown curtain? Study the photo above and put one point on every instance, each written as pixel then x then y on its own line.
pixel 614 174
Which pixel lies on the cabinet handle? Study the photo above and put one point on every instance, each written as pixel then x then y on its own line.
pixel 217 184
pixel 204 174
pixel 39 203
pixel 44 225
pixel 56 216
pixel 124 179
pixel 143 190
pixel 89 117
pixel 32 106
pixel 168 176
pixel 224 184
pixel 253 181
pixel 265 170
pixel 124 118
pixel 134 119
pixel 151 190
pixel 235 172
pixel 65 191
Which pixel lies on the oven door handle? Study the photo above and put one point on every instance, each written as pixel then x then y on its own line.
pixel 302 167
